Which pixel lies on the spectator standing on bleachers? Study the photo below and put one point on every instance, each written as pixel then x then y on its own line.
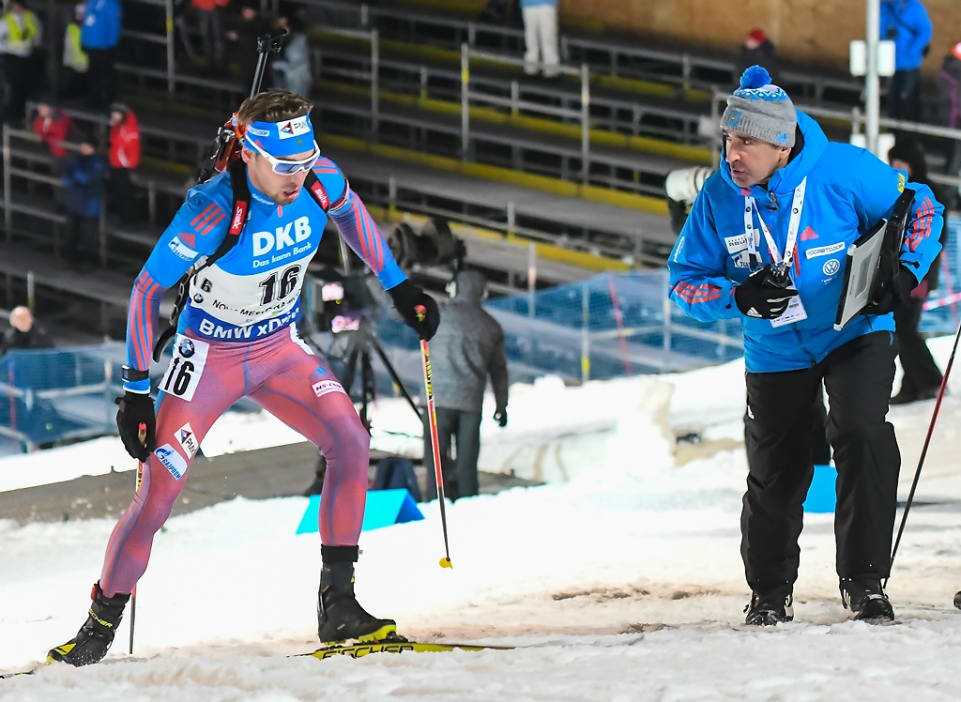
pixel 24 333
pixel 292 69
pixel 540 37
pixel 758 49
pixel 20 43
pixel 75 60
pixel 242 32
pixel 906 23
pixel 949 105
pixel 211 26
pixel 52 125
pixel 468 347
pixel 84 188
pixel 99 38
pixel 922 377
pixel 124 160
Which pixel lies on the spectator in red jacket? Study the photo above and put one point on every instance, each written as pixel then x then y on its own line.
pixel 53 127
pixel 124 159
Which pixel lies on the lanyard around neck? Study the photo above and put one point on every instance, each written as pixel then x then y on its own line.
pixel 794 224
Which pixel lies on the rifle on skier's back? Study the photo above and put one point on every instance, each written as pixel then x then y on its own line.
pixel 226 145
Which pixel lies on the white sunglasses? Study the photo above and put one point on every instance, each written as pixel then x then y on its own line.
pixel 287 168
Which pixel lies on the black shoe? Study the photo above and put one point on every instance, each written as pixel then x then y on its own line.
pixel 339 616
pixel 93 640
pixel 866 598
pixel 770 608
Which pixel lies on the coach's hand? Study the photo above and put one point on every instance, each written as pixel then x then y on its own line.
pixel 133 410
pixel 763 295
pixel 418 309
pixel 893 292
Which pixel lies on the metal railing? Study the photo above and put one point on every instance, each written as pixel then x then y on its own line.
pixel 514 104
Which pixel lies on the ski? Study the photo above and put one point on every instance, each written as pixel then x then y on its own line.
pixel 395 644
pixel 4 676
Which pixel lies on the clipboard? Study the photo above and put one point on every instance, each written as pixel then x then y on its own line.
pixel 860 272
pixel 879 247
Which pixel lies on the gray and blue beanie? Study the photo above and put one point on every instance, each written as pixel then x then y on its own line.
pixel 761 110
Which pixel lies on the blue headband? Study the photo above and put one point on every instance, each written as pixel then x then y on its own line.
pixel 290 136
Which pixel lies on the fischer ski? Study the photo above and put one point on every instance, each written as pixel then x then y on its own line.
pixel 395 644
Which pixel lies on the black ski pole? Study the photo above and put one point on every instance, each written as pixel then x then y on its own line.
pixel 924 451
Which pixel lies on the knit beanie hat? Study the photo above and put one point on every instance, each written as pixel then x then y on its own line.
pixel 761 110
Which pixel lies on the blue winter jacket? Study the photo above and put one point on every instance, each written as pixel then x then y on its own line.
pixel 848 191
pixel 906 23
pixel 533 3
pixel 85 184
pixel 101 24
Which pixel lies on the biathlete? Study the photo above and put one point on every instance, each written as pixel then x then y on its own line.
pixel 244 240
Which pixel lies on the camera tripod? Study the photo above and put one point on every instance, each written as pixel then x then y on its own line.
pixel 358 352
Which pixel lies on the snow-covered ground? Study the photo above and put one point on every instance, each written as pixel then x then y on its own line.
pixel 619 579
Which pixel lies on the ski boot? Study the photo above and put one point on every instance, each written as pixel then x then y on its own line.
pixel 866 598
pixel 770 608
pixel 93 640
pixel 339 616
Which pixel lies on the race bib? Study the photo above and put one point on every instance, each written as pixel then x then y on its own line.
pixel 186 367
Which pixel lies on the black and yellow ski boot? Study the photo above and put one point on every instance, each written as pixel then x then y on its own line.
pixel 93 640
pixel 339 616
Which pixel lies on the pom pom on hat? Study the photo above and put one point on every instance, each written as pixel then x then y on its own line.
pixel 755 77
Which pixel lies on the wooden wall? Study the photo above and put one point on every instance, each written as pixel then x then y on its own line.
pixel 811 32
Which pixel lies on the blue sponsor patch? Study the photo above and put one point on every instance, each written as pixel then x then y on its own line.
pixel 172 460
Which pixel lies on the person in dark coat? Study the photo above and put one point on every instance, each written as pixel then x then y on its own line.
pixel 468 347
pixel 949 104
pixel 922 377
pixel 758 49
pixel 23 333
pixel 84 183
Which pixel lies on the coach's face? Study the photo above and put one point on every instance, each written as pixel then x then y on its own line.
pixel 752 161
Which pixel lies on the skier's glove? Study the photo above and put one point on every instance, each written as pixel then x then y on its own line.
pixel 418 309
pixel 765 294
pixel 133 410
pixel 893 292
pixel 500 416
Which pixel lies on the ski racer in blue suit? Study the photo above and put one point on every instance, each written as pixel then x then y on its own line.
pixel 766 242
pixel 236 338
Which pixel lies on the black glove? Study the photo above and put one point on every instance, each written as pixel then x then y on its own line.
pixel 893 292
pixel 500 416
pixel 418 309
pixel 133 410
pixel 765 294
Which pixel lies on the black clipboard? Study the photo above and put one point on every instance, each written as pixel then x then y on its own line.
pixel 868 260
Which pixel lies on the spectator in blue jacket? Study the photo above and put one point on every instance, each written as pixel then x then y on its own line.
pixel 765 242
pixel 99 37
pixel 906 23
pixel 540 37
pixel 84 190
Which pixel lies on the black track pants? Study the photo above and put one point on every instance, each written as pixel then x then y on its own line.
pixel 857 378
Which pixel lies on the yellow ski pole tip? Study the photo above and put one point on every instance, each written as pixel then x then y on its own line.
pixel 445 563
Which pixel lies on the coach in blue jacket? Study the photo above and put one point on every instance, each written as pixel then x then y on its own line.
pixel 906 23
pixel 766 241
